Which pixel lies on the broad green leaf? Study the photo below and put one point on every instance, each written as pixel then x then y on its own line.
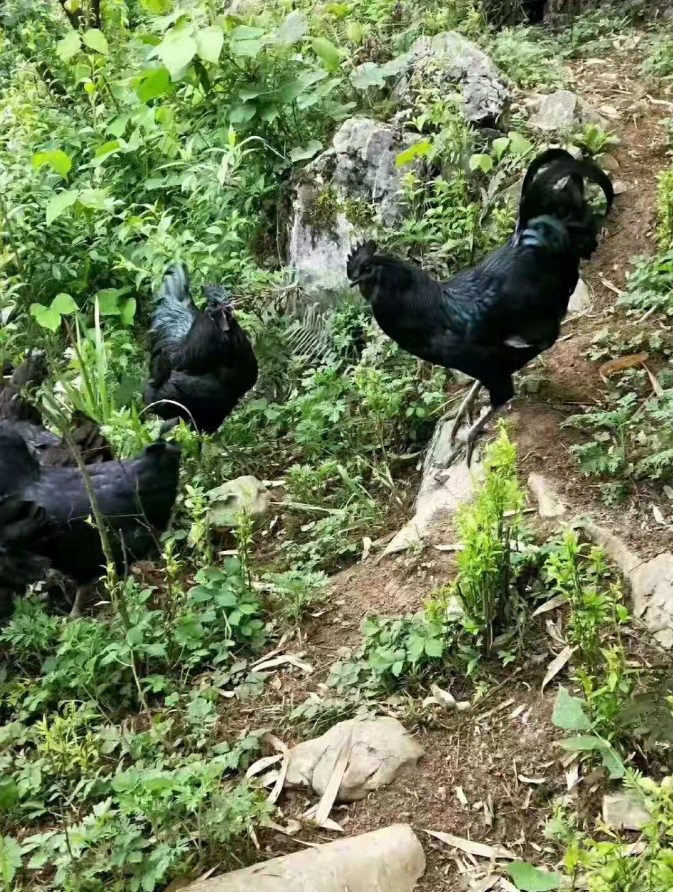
pixel 58 161
pixel 118 125
pixel 293 29
pixel 63 304
pixel 481 162
pixel 396 65
pixel 177 50
pixel 246 32
pixel 59 203
pixel 248 48
pixel 95 40
pixel 209 42
pixel 303 153
pixel 69 46
pixel 93 198
pixel 355 32
pixel 500 146
pixel 519 144
pixel 613 762
pixel 242 113
pixel 128 311
pixel 368 75
pixel 10 860
pixel 569 712
pixel 327 53
pixel 531 879
pixel 46 317
pixel 108 302
pixel 157 7
pixel 109 148
pixel 414 151
pixel 155 82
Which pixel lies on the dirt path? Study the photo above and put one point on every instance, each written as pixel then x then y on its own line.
pixel 492 775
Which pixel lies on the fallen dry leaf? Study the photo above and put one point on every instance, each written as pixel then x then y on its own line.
pixel 261 764
pixel 552 604
pixel 612 366
pixel 472 848
pixel 557 664
pixel 331 790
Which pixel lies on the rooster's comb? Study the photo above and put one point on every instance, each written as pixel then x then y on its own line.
pixel 359 255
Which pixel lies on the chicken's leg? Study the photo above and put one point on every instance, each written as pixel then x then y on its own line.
pixel 474 432
pixel 82 596
pixel 465 409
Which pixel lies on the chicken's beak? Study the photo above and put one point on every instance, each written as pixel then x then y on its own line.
pixel 354 283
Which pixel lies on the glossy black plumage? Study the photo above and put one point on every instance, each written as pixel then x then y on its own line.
pixel 202 361
pixel 491 320
pixel 44 512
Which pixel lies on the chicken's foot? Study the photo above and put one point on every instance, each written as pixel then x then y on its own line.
pixel 470 440
pixel 465 410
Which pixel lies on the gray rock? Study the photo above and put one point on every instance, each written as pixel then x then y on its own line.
pixel 358 168
pixel 245 8
pixel 651 582
pixel 450 60
pixel 391 859
pixel 609 163
pixel 563 110
pixel 580 299
pixel 380 750
pixel 244 495
pixel 625 811
pixel 549 502
pixel 440 494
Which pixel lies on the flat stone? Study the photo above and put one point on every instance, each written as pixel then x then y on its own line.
pixel 651 582
pixel 549 502
pixel 391 859
pixel 625 811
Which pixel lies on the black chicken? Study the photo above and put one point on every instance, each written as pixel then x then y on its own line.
pixel 490 321
pixel 44 512
pixel 202 360
pixel 24 381
pixel 51 451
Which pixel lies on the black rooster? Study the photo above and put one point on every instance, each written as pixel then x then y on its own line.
pixel 44 512
pixel 202 361
pixel 24 381
pixel 490 321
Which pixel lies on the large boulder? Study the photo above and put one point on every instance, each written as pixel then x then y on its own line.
pixel 450 60
pixel 352 184
pixel 563 111
pixel 244 495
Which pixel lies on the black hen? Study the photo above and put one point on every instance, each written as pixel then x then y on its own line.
pixel 490 321
pixel 24 380
pixel 202 361
pixel 51 451
pixel 44 511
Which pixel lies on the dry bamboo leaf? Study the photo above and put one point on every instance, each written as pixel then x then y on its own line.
pixel 557 664
pixel 655 382
pixel 472 848
pixel 261 764
pixel 612 366
pixel 331 790
pixel 461 797
pixel 291 659
pixel 532 780
pixel 552 604
pixel 280 780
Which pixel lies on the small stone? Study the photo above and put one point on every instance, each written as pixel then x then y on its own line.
pixel 620 187
pixel 609 163
pixel 381 749
pixel 624 811
pixel 580 299
pixel 563 110
pixel 244 495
